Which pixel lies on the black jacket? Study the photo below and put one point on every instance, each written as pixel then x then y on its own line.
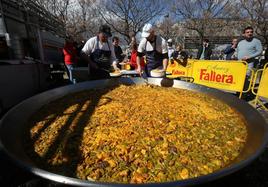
pixel 207 53
pixel 118 53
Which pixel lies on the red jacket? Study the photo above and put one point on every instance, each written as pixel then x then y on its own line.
pixel 133 60
pixel 70 54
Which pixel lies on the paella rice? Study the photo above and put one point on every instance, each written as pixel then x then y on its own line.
pixel 135 134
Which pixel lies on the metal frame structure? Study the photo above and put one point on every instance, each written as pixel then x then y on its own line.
pixel 31 45
pixel 31 13
pixel 36 22
pixel 258 98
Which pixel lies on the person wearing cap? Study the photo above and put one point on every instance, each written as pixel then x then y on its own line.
pixel 170 48
pixel 99 53
pixel 154 47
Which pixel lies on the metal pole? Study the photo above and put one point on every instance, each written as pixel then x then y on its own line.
pixel 3 17
pixel 4 25
pixel 40 45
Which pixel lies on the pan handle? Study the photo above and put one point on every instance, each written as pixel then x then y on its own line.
pixel 185 77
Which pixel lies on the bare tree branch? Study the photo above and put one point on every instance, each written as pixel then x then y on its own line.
pixel 203 16
pixel 127 16
pixel 257 12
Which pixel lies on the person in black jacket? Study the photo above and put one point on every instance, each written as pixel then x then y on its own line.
pixel 205 51
pixel 230 51
pixel 118 50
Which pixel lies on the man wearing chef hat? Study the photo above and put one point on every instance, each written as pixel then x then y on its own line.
pixel 154 47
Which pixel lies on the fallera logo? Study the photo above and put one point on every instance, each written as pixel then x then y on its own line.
pixel 178 72
pixel 212 76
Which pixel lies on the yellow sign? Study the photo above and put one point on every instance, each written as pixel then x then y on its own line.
pixel 179 68
pixel 226 75
pixel 263 86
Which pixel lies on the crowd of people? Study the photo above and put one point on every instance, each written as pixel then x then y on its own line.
pixel 101 55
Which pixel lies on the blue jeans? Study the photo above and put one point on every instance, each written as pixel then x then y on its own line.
pixel 70 68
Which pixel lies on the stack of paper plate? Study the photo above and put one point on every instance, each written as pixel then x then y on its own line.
pixel 115 74
pixel 157 73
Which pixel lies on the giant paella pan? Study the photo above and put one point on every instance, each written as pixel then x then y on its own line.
pixel 111 144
